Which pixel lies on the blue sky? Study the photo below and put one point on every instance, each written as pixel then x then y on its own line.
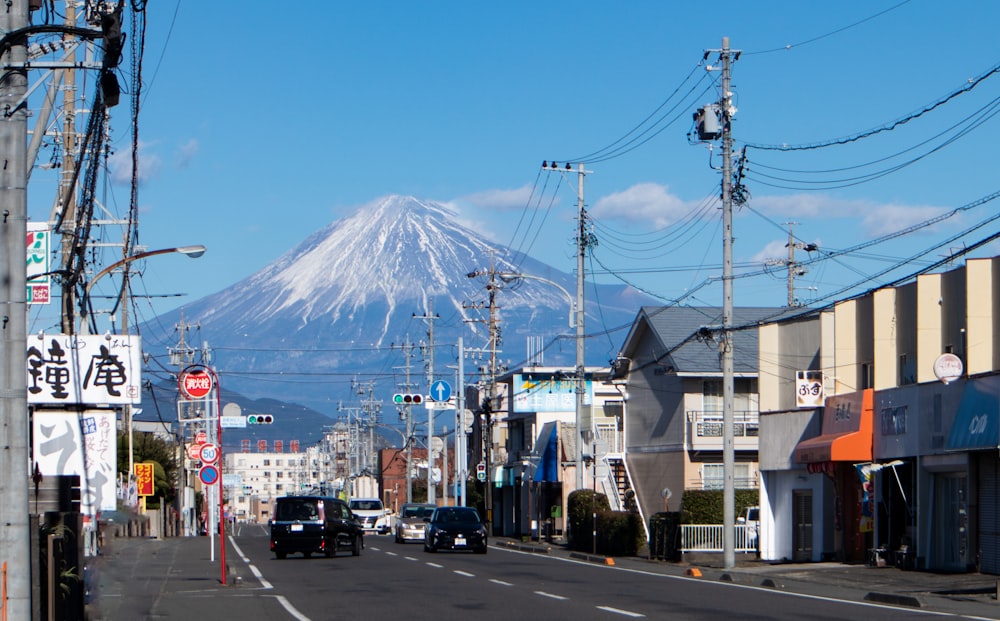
pixel 262 122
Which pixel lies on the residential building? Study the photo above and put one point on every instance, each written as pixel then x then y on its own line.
pixel 536 465
pixel 672 364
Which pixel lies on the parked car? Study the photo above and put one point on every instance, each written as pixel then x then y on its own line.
pixel 372 514
pixel 410 523
pixel 455 528
pixel 750 519
pixel 314 524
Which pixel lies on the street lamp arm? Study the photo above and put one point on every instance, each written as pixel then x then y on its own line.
pixel 510 277
pixel 192 251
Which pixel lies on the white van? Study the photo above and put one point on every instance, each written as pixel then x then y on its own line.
pixel 372 514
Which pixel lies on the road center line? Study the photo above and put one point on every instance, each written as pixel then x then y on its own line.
pixel 464 573
pixel 501 582
pixel 552 595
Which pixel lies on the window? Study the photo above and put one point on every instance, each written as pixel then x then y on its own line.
pixel 713 476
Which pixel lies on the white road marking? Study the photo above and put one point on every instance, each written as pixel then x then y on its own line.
pixel 501 582
pixel 619 611
pixel 439 566
pixel 552 595
pixel 464 573
pixel 411 558
pixel 291 609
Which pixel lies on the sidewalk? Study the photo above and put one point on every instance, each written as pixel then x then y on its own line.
pixel 149 578
pixel 967 594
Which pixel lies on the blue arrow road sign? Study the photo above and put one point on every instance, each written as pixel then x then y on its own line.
pixel 440 391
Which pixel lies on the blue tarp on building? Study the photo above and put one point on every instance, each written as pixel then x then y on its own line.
pixel 548 462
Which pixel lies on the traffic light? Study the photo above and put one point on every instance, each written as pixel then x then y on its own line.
pixel 260 419
pixel 481 471
pixel 406 398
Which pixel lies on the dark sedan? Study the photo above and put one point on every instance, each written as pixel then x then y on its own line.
pixel 455 528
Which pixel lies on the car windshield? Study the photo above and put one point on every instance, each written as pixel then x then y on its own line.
pixel 302 509
pixel 415 512
pixel 456 515
pixel 366 505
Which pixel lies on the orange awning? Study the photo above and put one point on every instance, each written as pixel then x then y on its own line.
pixel 850 446
pixel 847 436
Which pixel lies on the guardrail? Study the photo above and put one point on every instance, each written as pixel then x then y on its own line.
pixel 708 538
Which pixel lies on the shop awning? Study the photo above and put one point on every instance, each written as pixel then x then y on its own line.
pixel 850 446
pixel 976 425
pixel 846 432
pixel 547 447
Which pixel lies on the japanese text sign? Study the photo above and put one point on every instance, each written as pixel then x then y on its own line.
pixel 71 443
pixel 99 369
pixel 144 479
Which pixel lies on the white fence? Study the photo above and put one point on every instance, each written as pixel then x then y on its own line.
pixel 708 538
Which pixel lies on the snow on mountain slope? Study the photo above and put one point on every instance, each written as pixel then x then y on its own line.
pixel 336 302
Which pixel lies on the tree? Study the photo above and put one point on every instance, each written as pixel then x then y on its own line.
pixel 148 447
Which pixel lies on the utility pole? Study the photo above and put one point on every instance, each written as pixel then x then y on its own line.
pixel 584 239
pixel 728 446
pixel 15 533
pixel 489 404
pixel 429 352
pixel 461 453
pixel 407 349
pixel 712 122
pixel 794 269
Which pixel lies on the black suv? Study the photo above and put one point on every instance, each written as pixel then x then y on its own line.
pixel 317 524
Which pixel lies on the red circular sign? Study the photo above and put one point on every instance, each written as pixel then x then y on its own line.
pixel 195 384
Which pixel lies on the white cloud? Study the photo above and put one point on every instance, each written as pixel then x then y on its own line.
pixel 649 203
pixel 777 249
pixel 120 164
pixel 503 200
pixel 186 152
pixel 874 219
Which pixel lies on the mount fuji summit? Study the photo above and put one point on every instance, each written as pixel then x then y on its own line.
pixel 356 298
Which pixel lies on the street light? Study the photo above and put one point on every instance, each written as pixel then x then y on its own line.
pixel 509 278
pixel 192 251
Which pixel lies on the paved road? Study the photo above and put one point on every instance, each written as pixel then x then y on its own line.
pixel 177 578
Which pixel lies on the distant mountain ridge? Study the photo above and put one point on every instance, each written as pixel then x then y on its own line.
pixel 331 306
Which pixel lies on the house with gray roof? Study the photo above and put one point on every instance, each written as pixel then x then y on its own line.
pixel 672 363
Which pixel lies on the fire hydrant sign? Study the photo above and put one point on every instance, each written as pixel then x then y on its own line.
pixel 194 383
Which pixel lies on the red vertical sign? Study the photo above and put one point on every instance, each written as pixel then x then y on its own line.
pixel 144 479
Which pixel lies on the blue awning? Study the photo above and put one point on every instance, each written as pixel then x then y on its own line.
pixel 548 462
pixel 977 424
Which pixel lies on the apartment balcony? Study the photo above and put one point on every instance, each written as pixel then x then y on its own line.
pixel 704 430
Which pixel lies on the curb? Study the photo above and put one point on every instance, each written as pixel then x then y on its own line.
pixel 894 598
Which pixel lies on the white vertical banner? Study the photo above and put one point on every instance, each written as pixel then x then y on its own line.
pixel 84 444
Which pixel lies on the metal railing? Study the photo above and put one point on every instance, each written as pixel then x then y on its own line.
pixel 708 538
pixel 708 423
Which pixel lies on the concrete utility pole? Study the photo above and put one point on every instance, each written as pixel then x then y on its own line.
pixel 584 239
pixel 429 350
pixel 15 533
pixel 728 446
pixel 407 348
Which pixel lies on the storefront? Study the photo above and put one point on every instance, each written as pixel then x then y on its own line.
pixel 974 522
pixel 845 440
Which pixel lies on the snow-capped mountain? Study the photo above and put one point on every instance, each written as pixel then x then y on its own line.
pixel 339 305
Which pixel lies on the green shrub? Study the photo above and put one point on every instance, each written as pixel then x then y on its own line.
pixel 580 508
pixel 705 506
